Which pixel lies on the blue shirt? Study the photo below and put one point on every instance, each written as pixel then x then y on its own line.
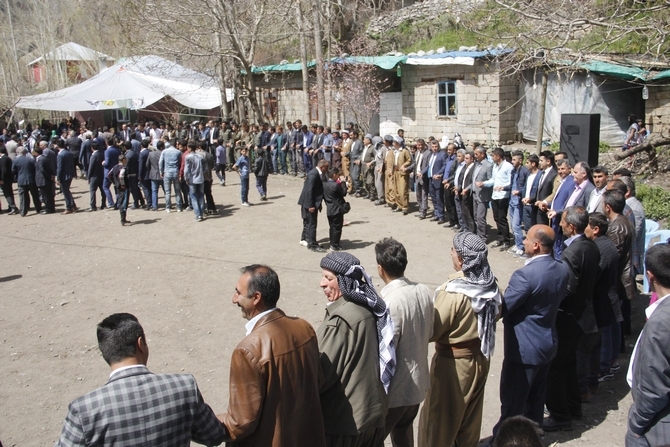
pixel 170 161
pixel 243 164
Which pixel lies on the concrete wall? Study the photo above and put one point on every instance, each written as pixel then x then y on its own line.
pixel 481 97
pixel 390 113
pixel 657 109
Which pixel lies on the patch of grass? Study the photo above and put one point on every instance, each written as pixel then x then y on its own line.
pixel 655 200
pixel 603 148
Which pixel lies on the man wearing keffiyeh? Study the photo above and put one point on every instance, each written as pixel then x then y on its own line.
pixel 357 354
pixel 466 309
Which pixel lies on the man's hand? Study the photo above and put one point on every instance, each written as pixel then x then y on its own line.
pixel 551 214
pixel 479 184
pixel 312 210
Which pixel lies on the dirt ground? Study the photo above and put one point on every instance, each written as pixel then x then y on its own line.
pixel 63 274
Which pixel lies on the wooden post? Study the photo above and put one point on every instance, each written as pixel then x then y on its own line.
pixel 543 106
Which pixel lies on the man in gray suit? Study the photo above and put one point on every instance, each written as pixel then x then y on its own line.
pixel 583 186
pixel 649 415
pixel 481 194
pixel 137 407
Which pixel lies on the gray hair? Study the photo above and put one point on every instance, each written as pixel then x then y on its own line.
pixel 22 150
pixel 462 152
pixel 563 161
pixel 630 183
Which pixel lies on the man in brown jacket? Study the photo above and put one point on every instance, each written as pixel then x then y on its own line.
pixel 274 371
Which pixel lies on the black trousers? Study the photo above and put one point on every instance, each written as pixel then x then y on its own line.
pixel 209 198
pixel 467 213
pixel 8 192
pixel 522 391
pixel 500 208
pixel 309 221
pixel 134 186
pixel 336 223
pixel 25 192
pixel 563 397
pixel 436 198
pixel 95 184
pixel 48 193
pixel 450 206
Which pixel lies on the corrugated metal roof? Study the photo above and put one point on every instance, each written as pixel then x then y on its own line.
pixel 73 52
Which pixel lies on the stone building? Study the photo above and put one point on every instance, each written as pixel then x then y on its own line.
pixel 424 94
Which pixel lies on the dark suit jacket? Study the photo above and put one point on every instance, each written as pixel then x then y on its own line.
pixel 43 171
pixel 137 407
pixel 333 195
pixel 24 170
pixel 547 185
pixel 649 415
pixel 530 306
pixel 143 170
pixel 583 258
pixel 6 174
pixel 65 170
pixel 605 290
pixel 438 168
pixel 132 167
pixel 95 169
pixel 585 193
pixel 423 167
pixel 312 191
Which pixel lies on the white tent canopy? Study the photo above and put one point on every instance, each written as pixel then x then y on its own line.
pixel 134 83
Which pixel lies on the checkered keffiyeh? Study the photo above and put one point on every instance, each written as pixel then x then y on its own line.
pixel 356 285
pixel 479 284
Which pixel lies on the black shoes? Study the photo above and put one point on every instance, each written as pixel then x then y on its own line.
pixel 317 248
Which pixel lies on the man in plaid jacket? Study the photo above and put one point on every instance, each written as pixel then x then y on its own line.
pixel 137 407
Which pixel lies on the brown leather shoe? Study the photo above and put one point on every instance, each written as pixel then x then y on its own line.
pixel 67 212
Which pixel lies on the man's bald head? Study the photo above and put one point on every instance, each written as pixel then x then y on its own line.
pixel 539 240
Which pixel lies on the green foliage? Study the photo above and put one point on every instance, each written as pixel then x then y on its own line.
pixel 655 200
pixel 603 148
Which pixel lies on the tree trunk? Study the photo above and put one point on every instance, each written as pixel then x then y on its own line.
pixel 303 59
pixel 253 98
pixel 221 73
pixel 649 145
pixel 318 51
pixel 543 106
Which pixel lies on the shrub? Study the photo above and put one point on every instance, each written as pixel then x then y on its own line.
pixel 655 200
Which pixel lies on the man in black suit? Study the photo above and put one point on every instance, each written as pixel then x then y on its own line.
pixel 310 203
pixel 73 144
pixel 95 175
pixel 44 179
pixel 433 173
pixel 132 170
pixel 6 180
pixel 545 186
pixel 85 154
pixel 334 190
pixel 24 171
pixel 465 190
pixel 574 320
pixel 143 173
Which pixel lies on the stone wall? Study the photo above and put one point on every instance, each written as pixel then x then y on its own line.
pixel 485 110
pixel 657 113
pixel 419 11
pixel 390 113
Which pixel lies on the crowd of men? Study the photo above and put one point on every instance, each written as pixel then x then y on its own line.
pixel 362 375
pixel 563 332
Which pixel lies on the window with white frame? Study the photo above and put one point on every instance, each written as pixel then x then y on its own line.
pixel 446 98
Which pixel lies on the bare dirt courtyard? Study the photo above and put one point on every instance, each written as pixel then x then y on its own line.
pixel 61 275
